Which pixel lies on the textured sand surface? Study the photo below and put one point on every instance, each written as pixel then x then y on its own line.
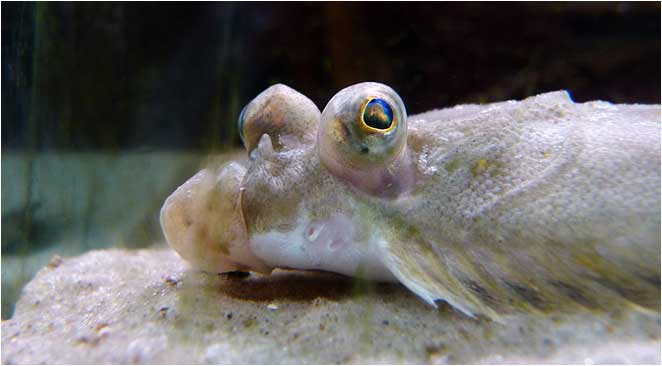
pixel 121 306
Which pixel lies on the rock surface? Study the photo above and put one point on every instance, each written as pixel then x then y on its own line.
pixel 146 306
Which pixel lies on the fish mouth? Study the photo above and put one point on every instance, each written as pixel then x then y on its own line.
pixel 203 222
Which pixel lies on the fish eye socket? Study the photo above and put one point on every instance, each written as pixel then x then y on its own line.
pixel 377 116
pixel 362 137
pixel 240 124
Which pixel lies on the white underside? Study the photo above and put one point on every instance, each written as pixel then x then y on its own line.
pixel 328 245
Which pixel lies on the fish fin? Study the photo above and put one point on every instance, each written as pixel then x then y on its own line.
pixel 417 266
pixel 492 271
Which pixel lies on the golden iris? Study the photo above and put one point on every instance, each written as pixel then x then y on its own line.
pixel 377 115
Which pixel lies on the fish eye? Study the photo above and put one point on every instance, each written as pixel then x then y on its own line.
pixel 376 116
pixel 287 116
pixel 240 124
pixel 362 133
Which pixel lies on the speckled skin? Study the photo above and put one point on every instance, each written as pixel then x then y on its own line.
pixel 512 206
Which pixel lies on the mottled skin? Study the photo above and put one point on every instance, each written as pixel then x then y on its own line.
pixel 533 205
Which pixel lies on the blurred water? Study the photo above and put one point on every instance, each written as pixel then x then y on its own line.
pixel 68 203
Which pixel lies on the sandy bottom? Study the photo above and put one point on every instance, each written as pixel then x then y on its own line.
pixel 146 306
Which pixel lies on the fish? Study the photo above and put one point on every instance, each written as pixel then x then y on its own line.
pixel 534 205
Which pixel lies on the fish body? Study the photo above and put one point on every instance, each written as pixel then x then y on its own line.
pixel 524 205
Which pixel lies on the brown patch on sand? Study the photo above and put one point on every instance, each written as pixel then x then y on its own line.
pixel 293 285
pixel 288 285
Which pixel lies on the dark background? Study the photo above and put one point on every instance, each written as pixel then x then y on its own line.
pixel 142 76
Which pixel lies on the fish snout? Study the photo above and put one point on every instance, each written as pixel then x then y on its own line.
pixel 202 221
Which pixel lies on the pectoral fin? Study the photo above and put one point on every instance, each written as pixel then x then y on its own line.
pixel 427 273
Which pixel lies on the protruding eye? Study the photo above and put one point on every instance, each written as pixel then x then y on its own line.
pixel 240 124
pixel 287 116
pixel 362 136
pixel 377 115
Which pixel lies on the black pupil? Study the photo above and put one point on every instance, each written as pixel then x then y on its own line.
pixel 378 114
